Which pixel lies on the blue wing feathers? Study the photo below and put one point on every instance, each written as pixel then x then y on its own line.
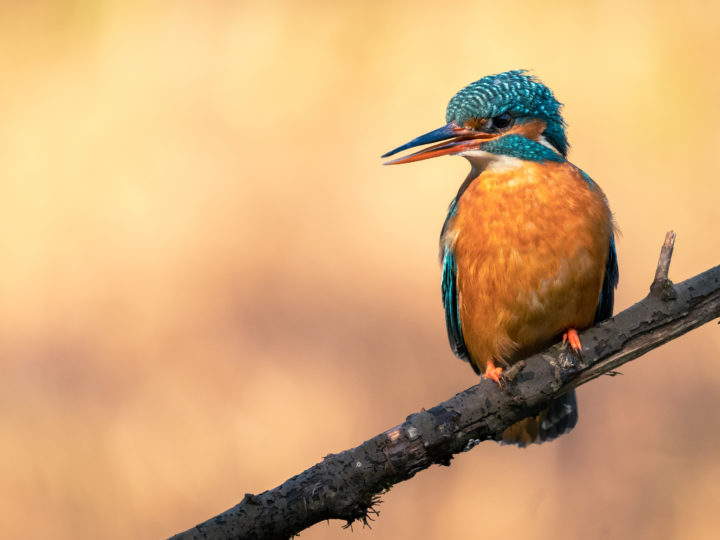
pixel 607 293
pixel 450 303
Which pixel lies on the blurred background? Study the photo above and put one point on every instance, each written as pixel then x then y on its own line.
pixel 208 281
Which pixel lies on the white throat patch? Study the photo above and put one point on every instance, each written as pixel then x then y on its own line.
pixel 487 161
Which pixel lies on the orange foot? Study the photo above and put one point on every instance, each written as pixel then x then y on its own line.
pixel 492 372
pixel 572 338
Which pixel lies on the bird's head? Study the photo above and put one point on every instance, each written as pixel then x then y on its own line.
pixel 494 115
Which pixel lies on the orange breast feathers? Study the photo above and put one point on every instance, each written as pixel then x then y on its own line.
pixel 530 244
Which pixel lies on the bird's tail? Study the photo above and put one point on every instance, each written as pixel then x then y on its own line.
pixel 560 417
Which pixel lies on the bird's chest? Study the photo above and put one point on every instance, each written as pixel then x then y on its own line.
pixel 530 244
pixel 536 211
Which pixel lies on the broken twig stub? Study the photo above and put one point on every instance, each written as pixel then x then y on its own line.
pixel 661 286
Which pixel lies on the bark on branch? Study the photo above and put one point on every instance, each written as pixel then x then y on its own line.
pixel 346 485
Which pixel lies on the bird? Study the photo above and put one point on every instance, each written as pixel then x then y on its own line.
pixel 527 248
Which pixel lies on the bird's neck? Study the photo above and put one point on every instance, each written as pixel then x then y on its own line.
pixel 510 152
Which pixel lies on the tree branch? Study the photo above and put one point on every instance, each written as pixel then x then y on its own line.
pixel 347 485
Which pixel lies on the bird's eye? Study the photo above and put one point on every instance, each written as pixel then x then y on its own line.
pixel 503 121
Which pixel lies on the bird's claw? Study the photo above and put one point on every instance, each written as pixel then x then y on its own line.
pixel 571 337
pixel 494 373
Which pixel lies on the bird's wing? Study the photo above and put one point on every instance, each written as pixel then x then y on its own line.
pixel 607 293
pixel 450 303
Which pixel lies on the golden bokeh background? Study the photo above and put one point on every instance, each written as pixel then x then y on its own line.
pixel 208 281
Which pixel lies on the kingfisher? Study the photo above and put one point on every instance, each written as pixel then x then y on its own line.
pixel 528 245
